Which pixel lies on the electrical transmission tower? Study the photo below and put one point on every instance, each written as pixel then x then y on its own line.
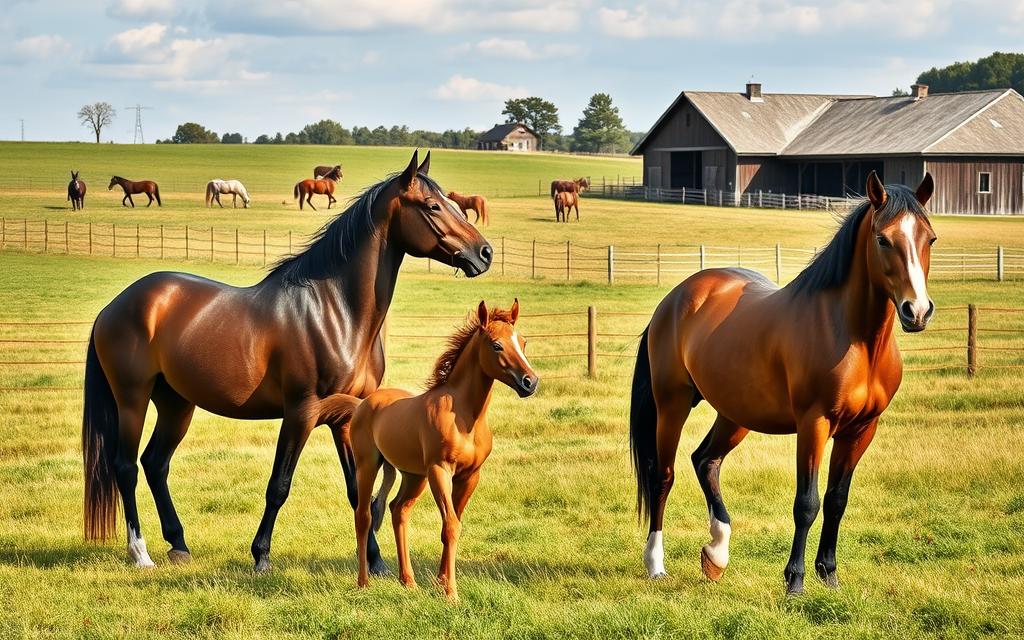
pixel 138 122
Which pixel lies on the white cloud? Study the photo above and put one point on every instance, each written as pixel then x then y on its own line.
pixel 640 23
pixel 134 42
pixel 371 57
pixel 462 88
pixel 41 47
pixel 141 9
pixel 521 50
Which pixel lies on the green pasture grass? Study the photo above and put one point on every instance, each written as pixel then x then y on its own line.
pixel 930 546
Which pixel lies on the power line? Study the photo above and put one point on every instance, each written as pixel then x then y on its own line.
pixel 138 122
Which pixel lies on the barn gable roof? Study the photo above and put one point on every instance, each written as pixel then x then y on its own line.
pixel 898 125
pixel 501 131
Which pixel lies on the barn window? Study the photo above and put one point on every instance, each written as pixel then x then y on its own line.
pixel 984 182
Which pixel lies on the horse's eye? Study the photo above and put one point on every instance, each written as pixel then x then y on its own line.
pixel 497 346
pixel 884 242
pixel 435 207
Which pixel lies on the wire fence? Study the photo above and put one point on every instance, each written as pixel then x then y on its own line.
pixel 568 261
pixel 721 198
pixel 41 356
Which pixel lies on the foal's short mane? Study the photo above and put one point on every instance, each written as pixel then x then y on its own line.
pixel 331 247
pixel 830 268
pixel 458 342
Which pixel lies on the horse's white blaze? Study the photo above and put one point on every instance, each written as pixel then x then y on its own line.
pixel 519 349
pixel 137 550
pixel 915 270
pixel 718 549
pixel 654 555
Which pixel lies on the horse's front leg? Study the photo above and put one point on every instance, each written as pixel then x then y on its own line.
pixel 847 450
pixel 295 429
pixel 812 434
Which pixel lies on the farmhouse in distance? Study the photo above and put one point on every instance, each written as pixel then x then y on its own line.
pixel 508 137
pixel 745 143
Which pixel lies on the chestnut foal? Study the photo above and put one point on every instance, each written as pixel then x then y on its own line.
pixel 440 437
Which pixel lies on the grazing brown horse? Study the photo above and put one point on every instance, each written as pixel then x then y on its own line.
pixel 476 204
pixel 564 203
pixel 439 437
pixel 285 347
pixel 816 358
pixel 324 172
pixel 147 187
pixel 76 192
pixel 306 189
pixel 573 186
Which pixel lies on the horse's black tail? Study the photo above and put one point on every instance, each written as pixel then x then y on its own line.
pixel 643 432
pixel 156 192
pixel 99 449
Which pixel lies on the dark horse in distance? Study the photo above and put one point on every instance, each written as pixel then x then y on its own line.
pixel 325 172
pixel 76 192
pixel 130 188
pixel 288 347
pixel 816 358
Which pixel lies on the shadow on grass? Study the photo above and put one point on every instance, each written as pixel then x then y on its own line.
pixel 54 557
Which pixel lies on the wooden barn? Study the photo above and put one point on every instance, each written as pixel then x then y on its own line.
pixel 508 137
pixel 741 143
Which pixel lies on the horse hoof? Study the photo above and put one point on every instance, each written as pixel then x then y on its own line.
pixel 711 571
pixel 830 579
pixel 262 565
pixel 660 575
pixel 179 557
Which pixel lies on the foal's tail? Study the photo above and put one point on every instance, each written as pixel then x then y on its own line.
pixel 643 432
pixel 99 448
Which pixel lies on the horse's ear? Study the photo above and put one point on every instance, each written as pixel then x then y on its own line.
pixel 514 311
pixel 425 167
pixel 876 191
pixel 481 314
pixel 409 174
pixel 925 189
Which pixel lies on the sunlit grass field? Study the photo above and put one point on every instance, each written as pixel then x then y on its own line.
pixel 930 546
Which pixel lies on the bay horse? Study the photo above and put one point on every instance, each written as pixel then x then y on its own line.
pixel 564 203
pixel 130 188
pixel 573 186
pixel 816 358
pixel 216 187
pixel 285 348
pixel 76 192
pixel 306 189
pixel 440 437
pixel 325 172
pixel 476 204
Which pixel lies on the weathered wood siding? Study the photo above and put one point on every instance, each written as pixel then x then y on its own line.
pixel 908 171
pixel 765 174
pixel 686 128
pixel 956 185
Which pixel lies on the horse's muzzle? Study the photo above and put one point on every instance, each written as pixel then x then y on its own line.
pixel 474 263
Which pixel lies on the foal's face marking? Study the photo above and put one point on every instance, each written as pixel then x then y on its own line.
pixel 502 354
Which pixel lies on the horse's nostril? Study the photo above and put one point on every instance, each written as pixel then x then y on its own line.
pixel 527 382
pixel 907 310
pixel 931 311
pixel 486 253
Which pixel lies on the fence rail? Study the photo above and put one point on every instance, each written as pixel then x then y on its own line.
pixel 567 260
pixel 721 198
pixel 564 345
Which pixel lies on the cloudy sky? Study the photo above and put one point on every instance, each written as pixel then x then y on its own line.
pixel 257 66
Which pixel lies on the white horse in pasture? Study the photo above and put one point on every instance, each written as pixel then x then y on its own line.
pixel 214 189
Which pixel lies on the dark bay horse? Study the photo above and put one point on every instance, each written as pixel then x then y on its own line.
pixel 306 189
pixel 816 358
pixel 325 172
pixel 438 438
pixel 76 192
pixel 573 186
pixel 287 347
pixel 147 187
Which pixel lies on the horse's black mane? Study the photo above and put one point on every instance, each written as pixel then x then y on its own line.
pixel 830 268
pixel 331 247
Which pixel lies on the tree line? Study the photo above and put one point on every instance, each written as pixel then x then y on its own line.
pixel 996 71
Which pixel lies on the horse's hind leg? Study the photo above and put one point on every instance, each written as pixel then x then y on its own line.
pixel 132 402
pixel 846 453
pixel 723 437
pixel 174 414
pixel 150 196
pixel 348 467
pixel 309 200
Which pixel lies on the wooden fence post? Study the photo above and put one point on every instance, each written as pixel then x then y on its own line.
pixel 46 234
pixel 113 240
pixel 264 247
pixel 66 251
pixel 972 340
pixel 999 263
pixel 778 264
pixel 211 244
pixel 90 239
pixel 592 341
pixel 533 261
pixel 236 245
pixel 186 242
pixel 658 276
pixel 3 231
pixel 503 250
pixel 289 242
pixel 611 264
pixel 24 230
pixel 161 242
pixel 428 265
pixel 138 242
pixel 701 257
pixel 760 199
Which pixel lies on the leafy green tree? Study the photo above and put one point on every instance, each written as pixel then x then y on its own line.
pixel 193 133
pixel 601 130
pixel 231 138
pixel 326 132
pixel 278 139
pixel 262 139
pixel 536 113
pixel 996 71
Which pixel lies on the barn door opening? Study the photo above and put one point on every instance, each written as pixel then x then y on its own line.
pixel 685 170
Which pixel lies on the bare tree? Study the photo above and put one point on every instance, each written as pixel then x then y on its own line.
pixel 96 116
